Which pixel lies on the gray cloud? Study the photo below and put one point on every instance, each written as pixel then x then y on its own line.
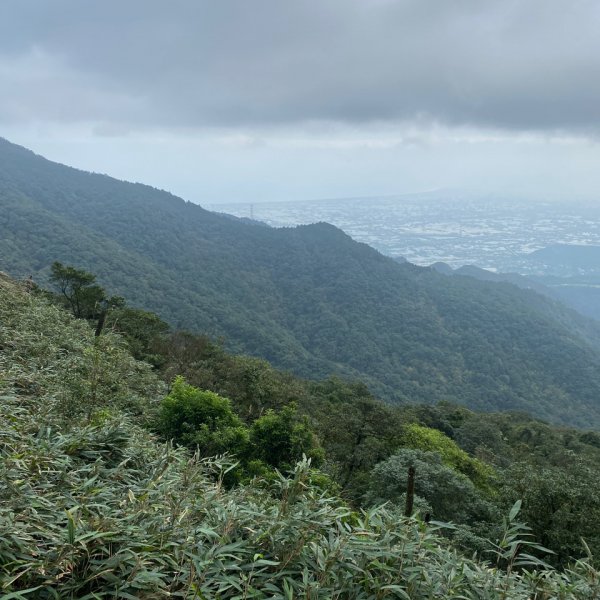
pixel 506 64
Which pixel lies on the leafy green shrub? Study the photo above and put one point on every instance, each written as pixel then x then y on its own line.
pixel 432 440
pixel 78 522
pixel 451 495
pixel 94 508
pixel 201 420
pixel 205 422
pixel 142 331
pixel 279 440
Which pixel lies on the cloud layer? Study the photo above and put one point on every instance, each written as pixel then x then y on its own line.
pixel 143 64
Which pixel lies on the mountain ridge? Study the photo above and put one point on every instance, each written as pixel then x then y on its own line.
pixel 309 299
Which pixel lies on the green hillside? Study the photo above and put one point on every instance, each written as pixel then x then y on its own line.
pixel 96 505
pixel 309 299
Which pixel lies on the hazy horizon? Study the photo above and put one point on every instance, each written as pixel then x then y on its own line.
pixel 236 102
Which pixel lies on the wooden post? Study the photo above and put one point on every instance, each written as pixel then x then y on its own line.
pixel 410 492
pixel 100 325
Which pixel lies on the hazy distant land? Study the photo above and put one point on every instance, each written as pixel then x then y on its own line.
pixel 554 243
pixel 451 227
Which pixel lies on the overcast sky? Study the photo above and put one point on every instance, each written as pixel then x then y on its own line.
pixel 250 100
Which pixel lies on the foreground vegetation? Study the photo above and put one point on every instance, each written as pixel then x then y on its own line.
pixel 96 505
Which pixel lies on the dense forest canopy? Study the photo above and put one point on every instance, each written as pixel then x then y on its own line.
pixel 308 299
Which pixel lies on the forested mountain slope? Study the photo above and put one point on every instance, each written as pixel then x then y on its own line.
pixel 309 299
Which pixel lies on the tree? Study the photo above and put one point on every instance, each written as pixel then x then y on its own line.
pixel 85 298
pixel 205 421
pixel 560 504
pixel 279 440
pixel 451 495
pixel 143 331
pixel 201 420
pixel 356 430
pixel 78 290
pixel 432 440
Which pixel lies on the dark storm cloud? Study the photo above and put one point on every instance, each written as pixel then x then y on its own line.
pixel 524 65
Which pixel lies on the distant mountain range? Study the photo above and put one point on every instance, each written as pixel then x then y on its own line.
pixel 575 282
pixel 525 283
pixel 309 299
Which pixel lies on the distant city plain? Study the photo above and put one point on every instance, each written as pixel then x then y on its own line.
pixel 458 229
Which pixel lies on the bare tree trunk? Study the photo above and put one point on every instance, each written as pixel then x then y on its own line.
pixel 410 492
pixel 100 325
